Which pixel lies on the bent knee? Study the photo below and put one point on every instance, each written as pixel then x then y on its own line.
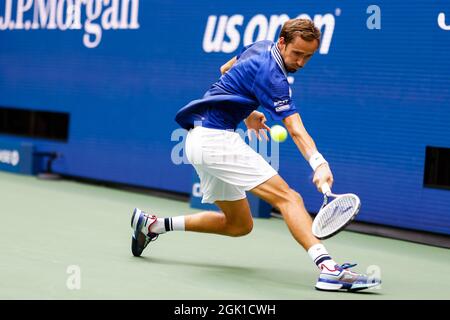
pixel 296 196
pixel 289 197
pixel 241 230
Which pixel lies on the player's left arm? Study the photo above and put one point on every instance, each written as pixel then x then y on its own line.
pixel 307 147
pixel 227 66
pixel 256 122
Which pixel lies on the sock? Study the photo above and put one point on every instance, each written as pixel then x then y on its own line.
pixel 321 258
pixel 162 225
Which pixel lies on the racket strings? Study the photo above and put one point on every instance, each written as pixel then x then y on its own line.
pixel 336 214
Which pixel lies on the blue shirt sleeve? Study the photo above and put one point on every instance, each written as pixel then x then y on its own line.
pixel 273 92
pixel 243 50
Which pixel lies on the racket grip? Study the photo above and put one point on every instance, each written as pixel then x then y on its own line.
pixel 326 189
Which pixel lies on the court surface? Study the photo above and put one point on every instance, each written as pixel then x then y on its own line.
pixel 48 226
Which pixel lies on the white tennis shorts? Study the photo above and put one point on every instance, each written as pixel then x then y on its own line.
pixel 226 165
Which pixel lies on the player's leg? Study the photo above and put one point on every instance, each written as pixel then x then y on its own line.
pixel 333 277
pixel 234 220
pixel 278 193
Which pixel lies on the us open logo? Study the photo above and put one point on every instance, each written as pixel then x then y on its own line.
pixel 225 33
pixel 441 22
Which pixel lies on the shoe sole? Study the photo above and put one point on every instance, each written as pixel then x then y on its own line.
pixel 136 221
pixel 324 286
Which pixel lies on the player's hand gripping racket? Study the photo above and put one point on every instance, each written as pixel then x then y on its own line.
pixel 335 215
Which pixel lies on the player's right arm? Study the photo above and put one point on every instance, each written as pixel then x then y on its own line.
pixel 308 149
pixel 227 66
pixel 301 137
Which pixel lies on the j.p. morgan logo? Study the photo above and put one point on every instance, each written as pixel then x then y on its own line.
pixel 10 157
pixel 92 16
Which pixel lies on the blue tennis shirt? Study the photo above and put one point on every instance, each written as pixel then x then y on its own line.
pixel 258 77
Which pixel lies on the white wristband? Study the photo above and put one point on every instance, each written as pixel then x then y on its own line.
pixel 316 160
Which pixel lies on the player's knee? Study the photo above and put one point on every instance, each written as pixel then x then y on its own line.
pixel 289 197
pixel 296 196
pixel 222 220
pixel 241 229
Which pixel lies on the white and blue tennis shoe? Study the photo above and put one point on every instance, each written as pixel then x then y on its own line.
pixel 340 278
pixel 141 239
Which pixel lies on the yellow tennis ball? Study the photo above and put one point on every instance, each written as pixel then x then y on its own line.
pixel 278 133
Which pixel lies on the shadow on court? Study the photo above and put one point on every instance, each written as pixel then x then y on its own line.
pixel 240 273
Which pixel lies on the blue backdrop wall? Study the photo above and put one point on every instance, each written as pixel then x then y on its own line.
pixel 373 98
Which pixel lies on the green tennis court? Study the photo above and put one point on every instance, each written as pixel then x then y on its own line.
pixel 47 227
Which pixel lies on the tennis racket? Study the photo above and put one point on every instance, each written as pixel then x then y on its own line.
pixel 335 215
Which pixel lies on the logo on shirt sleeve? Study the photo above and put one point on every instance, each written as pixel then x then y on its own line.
pixel 281 105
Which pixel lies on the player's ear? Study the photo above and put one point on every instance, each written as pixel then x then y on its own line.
pixel 281 43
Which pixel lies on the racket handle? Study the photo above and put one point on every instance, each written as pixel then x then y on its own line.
pixel 326 189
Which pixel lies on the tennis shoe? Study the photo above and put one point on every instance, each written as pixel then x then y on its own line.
pixel 341 278
pixel 141 237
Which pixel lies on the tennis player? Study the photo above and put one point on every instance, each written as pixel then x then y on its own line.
pixel 228 167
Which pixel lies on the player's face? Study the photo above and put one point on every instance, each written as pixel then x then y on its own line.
pixel 297 53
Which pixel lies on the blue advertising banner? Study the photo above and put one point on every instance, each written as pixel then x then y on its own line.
pixel 373 97
pixel 16 157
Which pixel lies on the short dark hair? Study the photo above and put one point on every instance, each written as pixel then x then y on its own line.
pixel 304 28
